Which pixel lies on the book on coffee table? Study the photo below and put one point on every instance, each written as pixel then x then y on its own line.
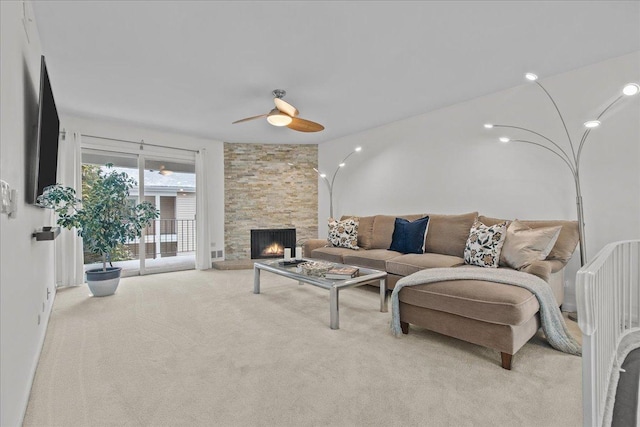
pixel 342 273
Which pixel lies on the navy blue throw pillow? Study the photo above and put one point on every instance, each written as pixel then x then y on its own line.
pixel 408 237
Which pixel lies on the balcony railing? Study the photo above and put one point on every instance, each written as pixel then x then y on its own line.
pixel 167 238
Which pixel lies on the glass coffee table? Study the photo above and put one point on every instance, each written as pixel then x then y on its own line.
pixel 366 276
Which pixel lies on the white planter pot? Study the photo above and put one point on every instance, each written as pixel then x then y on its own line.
pixel 103 283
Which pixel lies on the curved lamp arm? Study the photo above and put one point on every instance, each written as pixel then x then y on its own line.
pixel 324 178
pixel 333 178
pixel 586 132
pixel 535 133
pixel 575 158
pixel 571 167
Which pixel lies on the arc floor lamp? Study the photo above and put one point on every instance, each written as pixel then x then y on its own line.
pixel 571 158
pixel 333 178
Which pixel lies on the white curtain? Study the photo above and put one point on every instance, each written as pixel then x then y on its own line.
pixel 203 247
pixel 69 257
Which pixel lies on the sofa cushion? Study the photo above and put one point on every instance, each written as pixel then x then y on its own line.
pixel 373 258
pixel 567 240
pixel 485 244
pixel 344 234
pixel 365 230
pixel 331 254
pixel 383 226
pixel 408 236
pixel 405 265
pixel 448 233
pixel 476 299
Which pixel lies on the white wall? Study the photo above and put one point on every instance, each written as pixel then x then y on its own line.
pixel 446 162
pixel 118 130
pixel 26 266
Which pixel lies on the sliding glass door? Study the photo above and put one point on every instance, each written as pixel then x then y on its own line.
pixel 168 244
pixel 125 256
pixel 170 241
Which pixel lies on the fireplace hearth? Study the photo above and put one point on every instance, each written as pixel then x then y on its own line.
pixel 270 243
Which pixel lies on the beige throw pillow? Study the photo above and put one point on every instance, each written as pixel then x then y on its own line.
pixel 525 245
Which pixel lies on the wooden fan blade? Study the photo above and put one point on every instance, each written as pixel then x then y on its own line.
pixel 302 125
pixel 250 118
pixel 285 107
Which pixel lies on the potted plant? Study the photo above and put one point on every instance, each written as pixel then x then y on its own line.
pixel 105 218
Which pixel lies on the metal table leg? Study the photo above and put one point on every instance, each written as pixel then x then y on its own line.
pixel 383 295
pixel 333 307
pixel 256 280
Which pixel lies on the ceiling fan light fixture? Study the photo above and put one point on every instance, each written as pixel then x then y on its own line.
pixel 278 118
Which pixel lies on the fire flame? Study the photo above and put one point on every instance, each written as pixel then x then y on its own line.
pixel 273 249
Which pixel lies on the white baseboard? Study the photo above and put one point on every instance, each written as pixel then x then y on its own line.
pixel 36 360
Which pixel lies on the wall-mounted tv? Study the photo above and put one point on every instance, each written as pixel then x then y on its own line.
pixel 45 151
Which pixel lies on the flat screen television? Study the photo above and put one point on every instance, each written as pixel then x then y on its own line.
pixel 45 152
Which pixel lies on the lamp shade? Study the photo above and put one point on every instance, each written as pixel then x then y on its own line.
pixel 278 118
pixel 631 89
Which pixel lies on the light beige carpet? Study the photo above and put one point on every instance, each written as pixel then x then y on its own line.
pixel 199 348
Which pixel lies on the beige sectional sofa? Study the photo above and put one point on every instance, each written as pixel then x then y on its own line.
pixel 493 315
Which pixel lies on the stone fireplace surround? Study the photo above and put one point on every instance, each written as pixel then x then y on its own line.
pixel 268 186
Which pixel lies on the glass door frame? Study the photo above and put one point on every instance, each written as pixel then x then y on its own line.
pixel 163 154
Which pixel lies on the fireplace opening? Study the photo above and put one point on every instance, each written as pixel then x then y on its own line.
pixel 270 243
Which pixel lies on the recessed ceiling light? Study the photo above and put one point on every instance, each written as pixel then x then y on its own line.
pixel 592 124
pixel 341 165
pixel 531 76
pixel 323 175
pixel 631 89
pixel 504 139
pixel 488 125
pixel 358 148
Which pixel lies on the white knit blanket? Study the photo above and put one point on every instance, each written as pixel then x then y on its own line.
pixel 553 323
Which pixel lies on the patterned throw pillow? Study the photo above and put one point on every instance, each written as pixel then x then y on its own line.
pixel 484 244
pixel 344 234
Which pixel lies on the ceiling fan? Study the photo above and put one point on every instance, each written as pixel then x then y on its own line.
pixel 285 114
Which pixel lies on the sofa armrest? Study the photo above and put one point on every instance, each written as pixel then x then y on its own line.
pixel 312 244
pixel 542 269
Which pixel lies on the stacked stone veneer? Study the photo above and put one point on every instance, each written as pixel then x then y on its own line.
pixel 262 190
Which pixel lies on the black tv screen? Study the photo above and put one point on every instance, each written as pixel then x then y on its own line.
pixel 46 150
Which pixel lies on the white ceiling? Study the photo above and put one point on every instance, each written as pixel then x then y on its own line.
pixel 195 67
